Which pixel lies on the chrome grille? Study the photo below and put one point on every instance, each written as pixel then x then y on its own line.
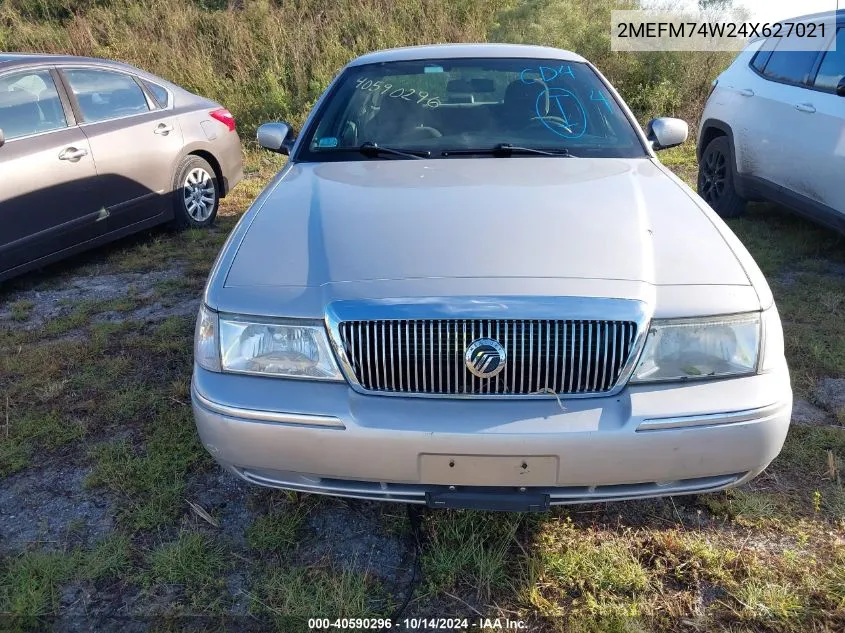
pixel 426 356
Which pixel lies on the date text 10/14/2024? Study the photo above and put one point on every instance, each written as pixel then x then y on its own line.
pixel 417 624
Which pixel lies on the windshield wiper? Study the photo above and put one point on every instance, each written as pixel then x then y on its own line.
pixel 371 149
pixel 504 150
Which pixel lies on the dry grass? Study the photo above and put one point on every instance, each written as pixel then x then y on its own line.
pixel 268 60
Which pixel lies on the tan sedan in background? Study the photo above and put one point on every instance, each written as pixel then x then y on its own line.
pixel 93 150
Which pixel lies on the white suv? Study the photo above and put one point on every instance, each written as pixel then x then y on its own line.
pixel 774 129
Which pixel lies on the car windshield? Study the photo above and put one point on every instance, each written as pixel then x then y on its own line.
pixel 467 107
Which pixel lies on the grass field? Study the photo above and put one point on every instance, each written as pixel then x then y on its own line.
pixel 111 511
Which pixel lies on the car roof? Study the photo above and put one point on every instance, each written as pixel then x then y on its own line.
pixel 456 51
pixel 837 16
pixel 8 60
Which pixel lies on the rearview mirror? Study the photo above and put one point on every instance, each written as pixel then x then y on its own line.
pixel 277 137
pixel 840 88
pixel 2 138
pixel 666 132
pixel 474 85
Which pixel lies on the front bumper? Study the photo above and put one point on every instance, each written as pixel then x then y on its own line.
pixel 646 441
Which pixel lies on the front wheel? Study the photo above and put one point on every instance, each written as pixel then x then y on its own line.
pixel 196 193
pixel 716 179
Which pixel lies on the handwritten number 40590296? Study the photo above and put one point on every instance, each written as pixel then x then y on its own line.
pixel 408 94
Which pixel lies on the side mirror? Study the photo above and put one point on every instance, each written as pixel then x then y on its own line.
pixel 840 88
pixel 665 132
pixel 277 137
pixel 2 138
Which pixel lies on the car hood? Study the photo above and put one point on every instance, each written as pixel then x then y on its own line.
pixel 524 221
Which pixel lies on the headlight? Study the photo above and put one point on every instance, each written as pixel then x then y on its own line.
pixel 269 348
pixel 206 349
pixel 686 349
pixel 772 341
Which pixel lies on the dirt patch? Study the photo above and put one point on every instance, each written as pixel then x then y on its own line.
pixel 127 609
pixel 830 394
pixel 831 268
pixel 686 510
pixel 153 312
pixel 47 304
pixel 806 414
pixel 50 507
pixel 352 538
pixel 812 267
pixel 787 278
pixel 225 498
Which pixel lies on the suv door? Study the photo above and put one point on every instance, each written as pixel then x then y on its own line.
pixel 135 142
pixel 47 187
pixel 825 129
pixel 782 102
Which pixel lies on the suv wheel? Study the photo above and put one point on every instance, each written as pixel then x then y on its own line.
pixel 196 193
pixel 716 180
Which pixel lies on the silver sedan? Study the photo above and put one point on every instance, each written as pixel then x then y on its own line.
pixel 474 285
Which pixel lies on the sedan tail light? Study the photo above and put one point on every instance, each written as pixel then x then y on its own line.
pixel 225 117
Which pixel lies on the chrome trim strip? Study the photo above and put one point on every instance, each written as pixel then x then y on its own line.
pixel 392 360
pixel 592 353
pixel 457 357
pixel 712 419
pixel 427 332
pixel 605 333
pixel 613 351
pixel 415 357
pixel 571 358
pixel 37 134
pixel 557 350
pixel 491 307
pixel 407 352
pixel 369 356
pixel 374 327
pixel 512 354
pixel 581 357
pixel 430 352
pixel 530 360
pixel 275 417
pixel 415 493
pixel 353 492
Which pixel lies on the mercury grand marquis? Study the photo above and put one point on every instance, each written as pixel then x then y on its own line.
pixel 474 285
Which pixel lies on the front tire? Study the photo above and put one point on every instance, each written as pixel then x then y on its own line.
pixel 196 193
pixel 716 179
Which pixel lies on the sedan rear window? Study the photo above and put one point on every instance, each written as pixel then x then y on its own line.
pixel 450 106
pixel 103 94
pixel 160 95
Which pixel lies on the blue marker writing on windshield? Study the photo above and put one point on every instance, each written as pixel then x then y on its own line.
pixel 566 116
pixel 522 76
pixel 545 74
pixel 598 95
